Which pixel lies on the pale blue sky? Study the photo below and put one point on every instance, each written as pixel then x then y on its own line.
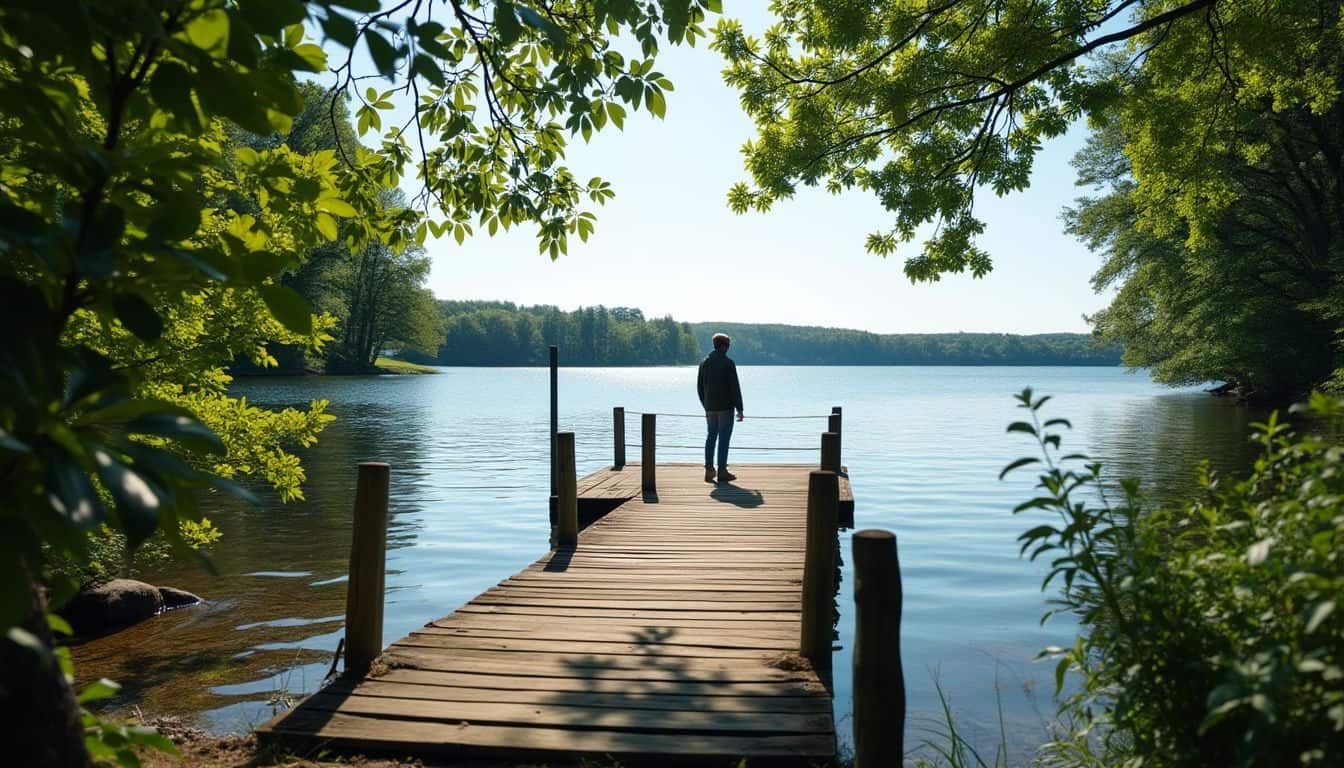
pixel 669 245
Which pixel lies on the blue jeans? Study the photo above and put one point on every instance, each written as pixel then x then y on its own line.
pixel 720 430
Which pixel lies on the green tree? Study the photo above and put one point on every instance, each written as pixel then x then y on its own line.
pixel 111 127
pixel 389 309
pixel 920 103
pixel 1254 298
pixel 1227 113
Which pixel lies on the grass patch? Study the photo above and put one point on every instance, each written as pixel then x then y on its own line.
pixel 388 365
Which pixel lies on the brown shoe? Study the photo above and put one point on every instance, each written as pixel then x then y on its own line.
pixel 709 474
pixel 726 477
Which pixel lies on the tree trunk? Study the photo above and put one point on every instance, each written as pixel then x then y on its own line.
pixel 39 718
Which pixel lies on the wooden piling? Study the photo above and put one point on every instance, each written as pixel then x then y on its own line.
pixel 830 451
pixel 618 437
pixel 567 524
pixel 648 454
pixel 368 554
pixel 879 682
pixel 555 424
pixel 823 511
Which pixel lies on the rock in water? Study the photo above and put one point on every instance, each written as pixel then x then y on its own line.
pixel 119 603
pixel 177 598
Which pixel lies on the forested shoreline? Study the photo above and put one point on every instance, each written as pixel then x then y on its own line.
pixel 494 333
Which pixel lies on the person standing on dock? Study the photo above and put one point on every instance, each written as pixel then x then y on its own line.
pixel 720 394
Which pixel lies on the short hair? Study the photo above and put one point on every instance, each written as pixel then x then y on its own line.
pixel 721 341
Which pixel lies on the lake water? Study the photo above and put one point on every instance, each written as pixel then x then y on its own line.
pixel 468 450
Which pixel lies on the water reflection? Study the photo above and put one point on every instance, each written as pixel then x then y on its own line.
pixel 1162 440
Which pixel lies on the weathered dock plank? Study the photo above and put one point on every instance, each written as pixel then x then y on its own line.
pixel 667 635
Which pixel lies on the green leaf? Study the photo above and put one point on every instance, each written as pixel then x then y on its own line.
pixel 28 641
pixel 270 17
pixel 259 266
pixel 507 27
pixel 657 105
pixel 138 499
pixel 209 31
pixel 362 6
pixel 144 736
pixel 337 207
pixel 98 690
pixel 1320 614
pixel 228 94
pixel 171 89
pixel 1022 426
pixel 313 57
pixel 71 494
pixel 1017 464
pixel 58 625
pixel 102 236
pixel 381 51
pixel 327 226
pixel 244 46
pixel 1061 669
pixel 340 28
pixel 128 408
pixel 541 23
pixel 177 215
pixel 138 316
pixel 234 489
pixel 426 67
pixel 175 426
pixel 288 307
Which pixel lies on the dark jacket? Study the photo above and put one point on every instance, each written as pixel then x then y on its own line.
pixel 717 383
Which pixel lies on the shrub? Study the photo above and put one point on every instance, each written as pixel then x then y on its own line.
pixel 1210 631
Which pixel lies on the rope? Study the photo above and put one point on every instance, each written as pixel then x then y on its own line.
pixel 735 447
pixel 701 415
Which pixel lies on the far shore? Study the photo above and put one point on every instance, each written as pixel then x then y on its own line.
pixel 392 366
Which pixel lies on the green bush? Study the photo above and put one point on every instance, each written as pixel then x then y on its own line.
pixel 1209 631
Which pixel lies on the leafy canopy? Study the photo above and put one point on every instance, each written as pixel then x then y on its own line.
pixel 1226 244
pixel 923 102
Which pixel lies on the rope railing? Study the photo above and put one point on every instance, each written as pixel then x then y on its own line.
pixel 702 415
pixel 648 445
pixel 735 447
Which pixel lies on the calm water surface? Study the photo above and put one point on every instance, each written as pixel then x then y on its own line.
pixel 468 449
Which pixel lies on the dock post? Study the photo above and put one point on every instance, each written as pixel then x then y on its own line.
pixel 648 454
pixel 833 424
pixel 568 521
pixel 823 513
pixel 879 682
pixel 830 451
pixel 618 437
pixel 555 425
pixel 368 555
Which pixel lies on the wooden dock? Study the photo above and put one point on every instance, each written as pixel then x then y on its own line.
pixel 668 635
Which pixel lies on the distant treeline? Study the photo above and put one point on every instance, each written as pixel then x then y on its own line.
pixel 503 333
pixel 755 344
